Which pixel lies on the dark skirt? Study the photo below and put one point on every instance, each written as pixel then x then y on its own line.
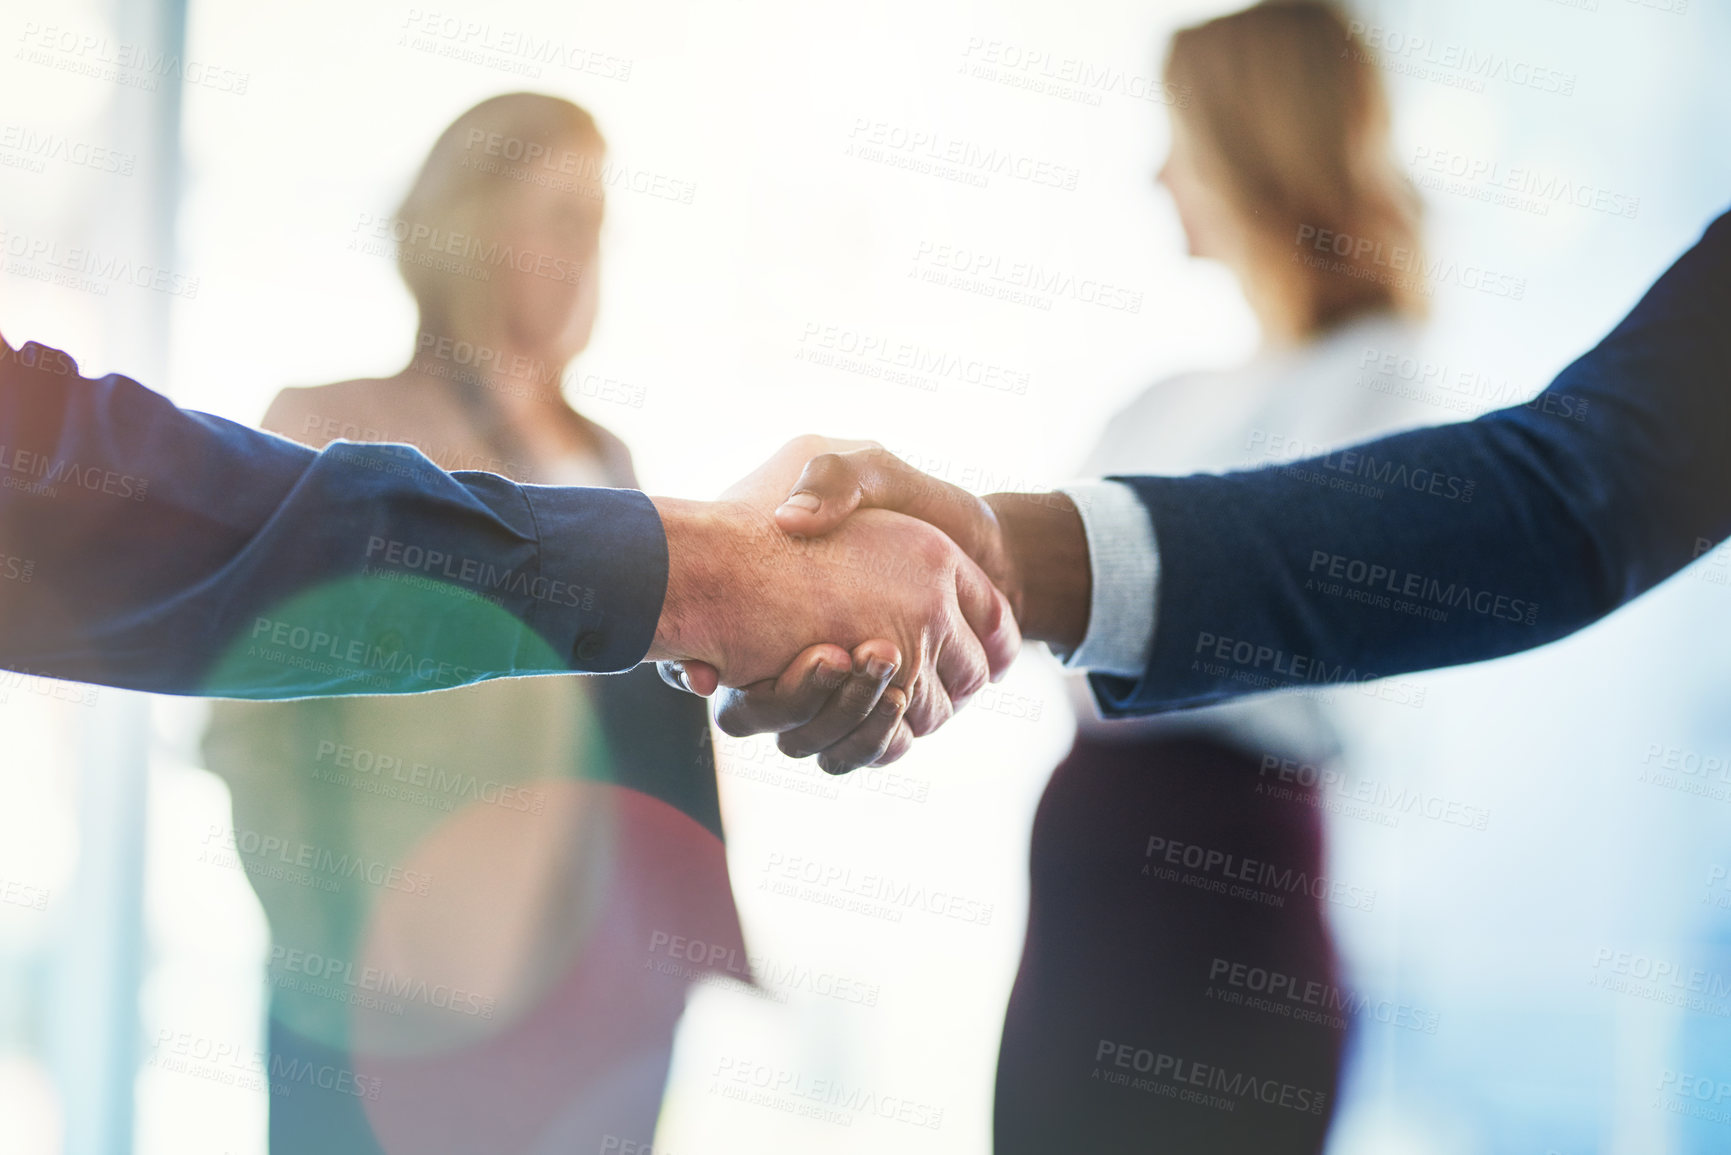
pixel 1174 986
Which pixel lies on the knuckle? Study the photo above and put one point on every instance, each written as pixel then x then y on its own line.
pixel 892 753
pixel 825 464
pixel 837 764
pixel 734 721
pixel 930 715
pixel 935 550
pixel 807 444
pixel 857 697
pixel 964 686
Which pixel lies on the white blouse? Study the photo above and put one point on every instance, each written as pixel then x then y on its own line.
pixel 1282 406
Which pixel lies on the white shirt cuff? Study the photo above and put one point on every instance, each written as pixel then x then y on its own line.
pixel 1126 578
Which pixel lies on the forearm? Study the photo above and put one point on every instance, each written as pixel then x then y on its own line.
pixel 180 553
pixel 1043 536
pixel 1458 543
pixel 717 555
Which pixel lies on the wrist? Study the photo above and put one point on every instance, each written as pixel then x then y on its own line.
pixel 1049 580
pixel 720 580
pixel 686 626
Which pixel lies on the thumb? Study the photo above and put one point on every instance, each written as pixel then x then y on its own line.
pixel 691 676
pixel 827 491
pixel 835 484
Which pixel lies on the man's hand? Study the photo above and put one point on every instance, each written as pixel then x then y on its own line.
pixel 744 599
pixel 1030 545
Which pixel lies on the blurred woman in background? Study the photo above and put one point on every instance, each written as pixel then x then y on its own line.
pixel 1279 132
pixel 477 893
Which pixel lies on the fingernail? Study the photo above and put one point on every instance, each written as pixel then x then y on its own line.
pixel 879 669
pixel 803 501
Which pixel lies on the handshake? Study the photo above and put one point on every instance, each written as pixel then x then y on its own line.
pixel 850 603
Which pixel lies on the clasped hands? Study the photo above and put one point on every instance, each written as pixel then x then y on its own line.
pixel 849 603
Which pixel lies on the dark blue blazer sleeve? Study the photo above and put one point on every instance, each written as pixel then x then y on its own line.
pixel 1462 542
pixel 151 548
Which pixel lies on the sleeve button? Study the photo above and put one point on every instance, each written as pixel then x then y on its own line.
pixel 589 647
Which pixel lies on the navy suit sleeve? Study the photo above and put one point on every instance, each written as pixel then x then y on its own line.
pixel 1462 542
pixel 151 548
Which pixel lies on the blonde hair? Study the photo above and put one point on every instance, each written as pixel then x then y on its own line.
pixel 1290 116
pixel 476 161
